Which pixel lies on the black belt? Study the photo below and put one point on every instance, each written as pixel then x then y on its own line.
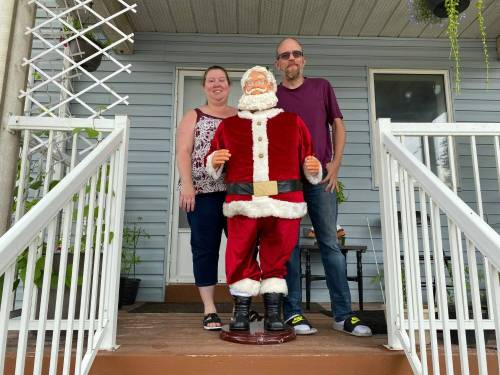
pixel 247 188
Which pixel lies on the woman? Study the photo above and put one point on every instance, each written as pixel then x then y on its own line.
pixel 200 195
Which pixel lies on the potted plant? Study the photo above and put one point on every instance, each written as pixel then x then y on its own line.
pixel 439 7
pixel 80 49
pixel 425 11
pixel 129 284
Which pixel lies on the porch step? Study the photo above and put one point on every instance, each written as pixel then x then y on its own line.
pixel 176 344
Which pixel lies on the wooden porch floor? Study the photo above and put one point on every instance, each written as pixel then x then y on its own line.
pixel 175 343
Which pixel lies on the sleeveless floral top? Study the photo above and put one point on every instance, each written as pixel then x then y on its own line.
pixel 204 131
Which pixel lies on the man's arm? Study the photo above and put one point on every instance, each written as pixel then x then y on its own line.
pixel 333 167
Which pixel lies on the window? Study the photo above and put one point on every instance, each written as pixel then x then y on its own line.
pixel 412 96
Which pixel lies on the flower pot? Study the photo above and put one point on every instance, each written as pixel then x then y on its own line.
pixel 437 7
pixel 128 290
pixel 80 50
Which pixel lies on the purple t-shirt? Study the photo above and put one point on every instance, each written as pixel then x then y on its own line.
pixel 315 102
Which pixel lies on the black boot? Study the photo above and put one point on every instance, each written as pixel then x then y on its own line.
pixel 272 317
pixel 240 321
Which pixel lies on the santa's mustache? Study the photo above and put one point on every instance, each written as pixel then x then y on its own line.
pixel 257 89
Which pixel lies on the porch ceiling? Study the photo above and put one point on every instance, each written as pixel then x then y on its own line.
pixel 342 18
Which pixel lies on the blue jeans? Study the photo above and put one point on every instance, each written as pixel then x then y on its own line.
pixel 207 223
pixel 322 209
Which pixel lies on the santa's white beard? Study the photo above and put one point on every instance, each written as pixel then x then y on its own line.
pixel 258 102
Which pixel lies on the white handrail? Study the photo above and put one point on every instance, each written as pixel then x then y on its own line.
pixel 470 222
pixel 457 246
pixel 15 240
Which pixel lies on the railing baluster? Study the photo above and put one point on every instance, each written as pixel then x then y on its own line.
pixel 415 264
pixel 26 309
pixel 106 248
pixel 476 308
pixel 97 255
pixel 458 292
pixel 5 308
pixel 87 264
pixel 495 292
pixel 429 281
pixel 74 282
pixel 61 282
pixel 45 295
pixel 441 284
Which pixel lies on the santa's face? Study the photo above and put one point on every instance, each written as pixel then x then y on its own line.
pixel 256 84
pixel 258 90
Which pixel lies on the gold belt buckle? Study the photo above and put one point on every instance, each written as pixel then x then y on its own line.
pixel 265 188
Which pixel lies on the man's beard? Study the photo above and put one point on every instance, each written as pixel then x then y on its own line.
pixel 258 102
pixel 293 74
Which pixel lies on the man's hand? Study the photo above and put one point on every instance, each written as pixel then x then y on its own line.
pixel 220 157
pixel 186 198
pixel 332 169
pixel 312 165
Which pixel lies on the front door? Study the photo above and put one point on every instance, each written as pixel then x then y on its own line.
pixel 190 95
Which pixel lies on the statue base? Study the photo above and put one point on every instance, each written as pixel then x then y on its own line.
pixel 257 335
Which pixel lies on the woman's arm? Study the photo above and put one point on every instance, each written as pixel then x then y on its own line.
pixel 184 149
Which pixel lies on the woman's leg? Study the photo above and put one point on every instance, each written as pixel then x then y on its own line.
pixel 206 223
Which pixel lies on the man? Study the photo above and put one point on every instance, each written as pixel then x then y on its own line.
pixel 314 101
pixel 262 150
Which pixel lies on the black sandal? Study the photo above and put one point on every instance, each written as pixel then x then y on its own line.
pixel 212 318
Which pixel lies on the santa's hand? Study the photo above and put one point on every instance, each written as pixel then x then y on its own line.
pixel 312 165
pixel 220 157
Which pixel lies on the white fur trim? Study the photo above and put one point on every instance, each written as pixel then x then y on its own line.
pixel 260 115
pixel 258 102
pixel 273 285
pixel 314 178
pixel 265 207
pixel 212 172
pixel 260 150
pixel 248 286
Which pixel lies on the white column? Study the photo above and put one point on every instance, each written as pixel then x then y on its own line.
pixel 15 16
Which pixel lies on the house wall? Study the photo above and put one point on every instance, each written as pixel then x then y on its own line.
pixel 344 62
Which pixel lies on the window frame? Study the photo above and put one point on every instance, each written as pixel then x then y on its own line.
pixel 372 107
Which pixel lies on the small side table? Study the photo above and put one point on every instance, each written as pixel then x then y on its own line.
pixel 308 249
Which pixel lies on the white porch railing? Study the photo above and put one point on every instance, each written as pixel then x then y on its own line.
pixel 434 268
pixel 80 222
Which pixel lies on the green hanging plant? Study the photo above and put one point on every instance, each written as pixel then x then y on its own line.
pixel 425 11
pixel 482 31
pixel 452 31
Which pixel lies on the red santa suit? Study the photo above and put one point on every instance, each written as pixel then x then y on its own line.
pixel 268 145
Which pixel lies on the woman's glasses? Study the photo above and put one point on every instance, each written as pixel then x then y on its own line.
pixel 286 55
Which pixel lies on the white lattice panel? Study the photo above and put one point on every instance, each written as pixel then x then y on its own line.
pixel 72 35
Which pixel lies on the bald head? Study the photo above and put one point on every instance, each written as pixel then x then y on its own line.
pixel 287 39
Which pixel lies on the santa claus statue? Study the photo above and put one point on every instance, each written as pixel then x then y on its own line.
pixel 265 152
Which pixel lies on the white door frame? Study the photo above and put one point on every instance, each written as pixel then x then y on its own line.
pixel 178 111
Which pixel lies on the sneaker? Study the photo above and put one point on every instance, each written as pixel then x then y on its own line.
pixel 300 325
pixel 353 326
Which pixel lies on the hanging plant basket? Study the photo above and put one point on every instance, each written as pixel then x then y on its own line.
pixel 81 49
pixel 439 9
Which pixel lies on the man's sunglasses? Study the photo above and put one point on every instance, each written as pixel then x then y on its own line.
pixel 286 55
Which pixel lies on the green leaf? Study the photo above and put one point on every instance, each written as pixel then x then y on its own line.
pixel 53 183
pixel 36 185
pixel 92 133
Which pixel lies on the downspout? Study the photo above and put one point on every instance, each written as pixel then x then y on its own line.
pixel 15 16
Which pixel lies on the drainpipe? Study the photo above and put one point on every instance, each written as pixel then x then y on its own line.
pixel 15 16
